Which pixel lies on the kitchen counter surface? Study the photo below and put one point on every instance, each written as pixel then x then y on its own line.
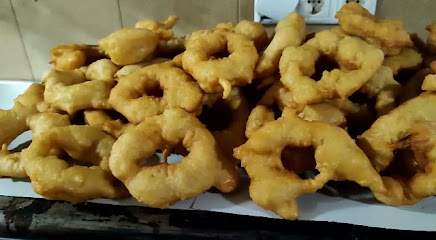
pixel 23 218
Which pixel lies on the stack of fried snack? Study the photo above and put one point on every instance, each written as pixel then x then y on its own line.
pixel 352 103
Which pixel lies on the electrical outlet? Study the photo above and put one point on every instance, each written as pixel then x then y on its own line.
pixel 314 11
pixel 317 11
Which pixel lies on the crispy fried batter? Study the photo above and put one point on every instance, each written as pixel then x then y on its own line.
pixel 384 88
pixel 103 70
pixel 129 45
pixel 11 164
pixel 219 75
pixel 431 38
pixel 416 153
pixel 164 184
pixel 73 56
pixel 389 34
pixel 429 83
pixel 55 179
pixel 149 91
pixel 391 128
pixel 274 188
pixel 251 30
pixel 359 61
pixel 290 31
pixel 13 121
pixel 128 69
pixel 163 30
pixel 70 91
pixel 408 58
pixel 103 121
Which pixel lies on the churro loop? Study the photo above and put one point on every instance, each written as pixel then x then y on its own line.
pixel 274 188
pixel 70 91
pixel 164 184
pixel 217 75
pixel 56 179
pixel 149 91
pixel 358 61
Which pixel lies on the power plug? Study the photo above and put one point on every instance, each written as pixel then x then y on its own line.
pixel 314 11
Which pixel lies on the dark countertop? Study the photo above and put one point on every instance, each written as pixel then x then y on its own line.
pixel 37 218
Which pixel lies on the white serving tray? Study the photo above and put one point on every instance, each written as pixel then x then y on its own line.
pixel 354 209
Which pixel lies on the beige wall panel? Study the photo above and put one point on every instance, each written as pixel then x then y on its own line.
pixel 194 14
pixel 46 23
pixel 13 59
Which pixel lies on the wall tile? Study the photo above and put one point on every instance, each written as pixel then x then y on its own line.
pixel 194 14
pixel 246 10
pixel 45 23
pixel 13 59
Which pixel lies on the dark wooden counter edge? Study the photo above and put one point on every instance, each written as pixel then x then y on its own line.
pixel 43 219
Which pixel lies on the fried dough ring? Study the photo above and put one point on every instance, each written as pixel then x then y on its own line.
pixel 251 30
pixel 73 56
pixel 297 64
pixel 389 34
pixel 429 83
pixel 297 160
pixel 128 69
pixel 129 97
pixel 263 113
pixel 219 75
pixel 377 142
pixel 130 45
pixel 290 31
pixel 55 179
pixel 325 112
pixel 408 58
pixel 276 189
pixel 335 111
pixel 423 183
pixel 431 38
pixel 42 122
pixel 384 88
pixel 234 135
pixel 103 69
pixel 99 119
pixel 163 30
pixel 10 163
pixel 168 45
pixel 420 150
pixel 162 185
pixel 259 116
pixel 13 121
pixel 70 91
pixel 340 112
